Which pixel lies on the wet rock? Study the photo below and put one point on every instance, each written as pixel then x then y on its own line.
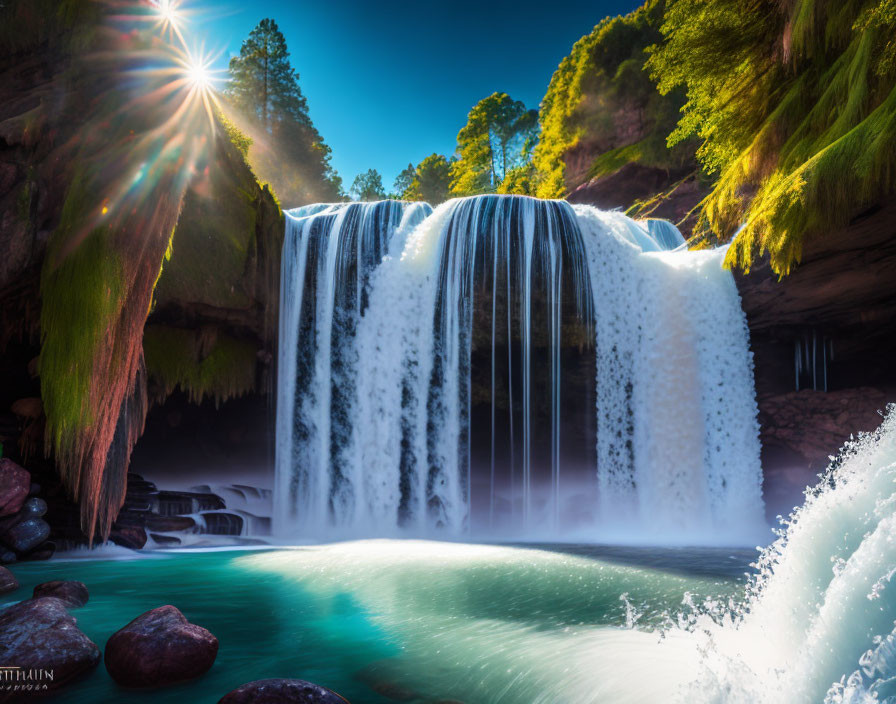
pixel 8 581
pixel 34 507
pixel 133 537
pixel 282 691
pixel 15 484
pixel 178 503
pixel 40 634
pixel 169 523
pixel 159 648
pixel 7 557
pixel 26 535
pixel 74 594
pixel 165 539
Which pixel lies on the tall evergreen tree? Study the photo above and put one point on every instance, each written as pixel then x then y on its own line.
pixel 496 139
pixel 288 151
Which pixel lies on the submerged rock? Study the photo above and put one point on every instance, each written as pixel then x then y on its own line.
pixel 15 483
pixel 159 648
pixel 27 535
pixel 8 581
pixel 74 594
pixel 41 635
pixel 282 691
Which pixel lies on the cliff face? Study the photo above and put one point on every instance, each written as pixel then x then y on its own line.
pixel 82 257
pixel 836 314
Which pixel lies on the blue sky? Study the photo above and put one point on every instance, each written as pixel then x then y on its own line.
pixel 391 82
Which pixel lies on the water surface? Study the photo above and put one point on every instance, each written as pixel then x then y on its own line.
pixel 384 621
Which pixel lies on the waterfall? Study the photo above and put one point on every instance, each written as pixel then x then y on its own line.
pixel 510 367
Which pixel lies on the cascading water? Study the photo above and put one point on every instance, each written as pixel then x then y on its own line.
pixel 511 367
pixel 819 623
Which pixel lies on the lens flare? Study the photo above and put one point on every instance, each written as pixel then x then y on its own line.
pixel 199 75
pixel 169 17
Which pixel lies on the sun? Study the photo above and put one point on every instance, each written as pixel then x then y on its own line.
pixel 199 75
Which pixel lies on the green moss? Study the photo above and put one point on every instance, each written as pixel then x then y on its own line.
pixel 650 151
pixel 237 137
pixel 213 366
pixel 82 288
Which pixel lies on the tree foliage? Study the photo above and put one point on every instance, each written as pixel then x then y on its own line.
pixel 404 181
pixel 368 186
pixel 795 105
pixel 497 138
pixel 287 149
pixel 430 181
pixel 602 98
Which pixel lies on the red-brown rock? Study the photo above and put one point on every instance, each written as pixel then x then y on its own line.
pixel 815 424
pixel 133 537
pixel 74 594
pixel 159 648
pixel 15 483
pixel 281 691
pixel 40 634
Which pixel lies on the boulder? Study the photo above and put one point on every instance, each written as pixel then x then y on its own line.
pixel 74 594
pixel 26 535
pixel 133 537
pixel 7 557
pixel 282 691
pixel 15 483
pixel 40 634
pixel 34 507
pixel 159 648
pixel 8 581
pixel 44 551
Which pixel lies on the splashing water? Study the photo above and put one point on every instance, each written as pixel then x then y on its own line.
pixel 506 366
pixel 818 624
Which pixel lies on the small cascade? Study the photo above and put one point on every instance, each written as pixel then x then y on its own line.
pixel 510 367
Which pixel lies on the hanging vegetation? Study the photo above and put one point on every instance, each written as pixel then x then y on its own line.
pixel 795 104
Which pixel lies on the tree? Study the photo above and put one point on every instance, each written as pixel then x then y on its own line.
pixel 432 182
pixel 368 186
pixel 405 180
pixel 287 149
pixel 496 139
